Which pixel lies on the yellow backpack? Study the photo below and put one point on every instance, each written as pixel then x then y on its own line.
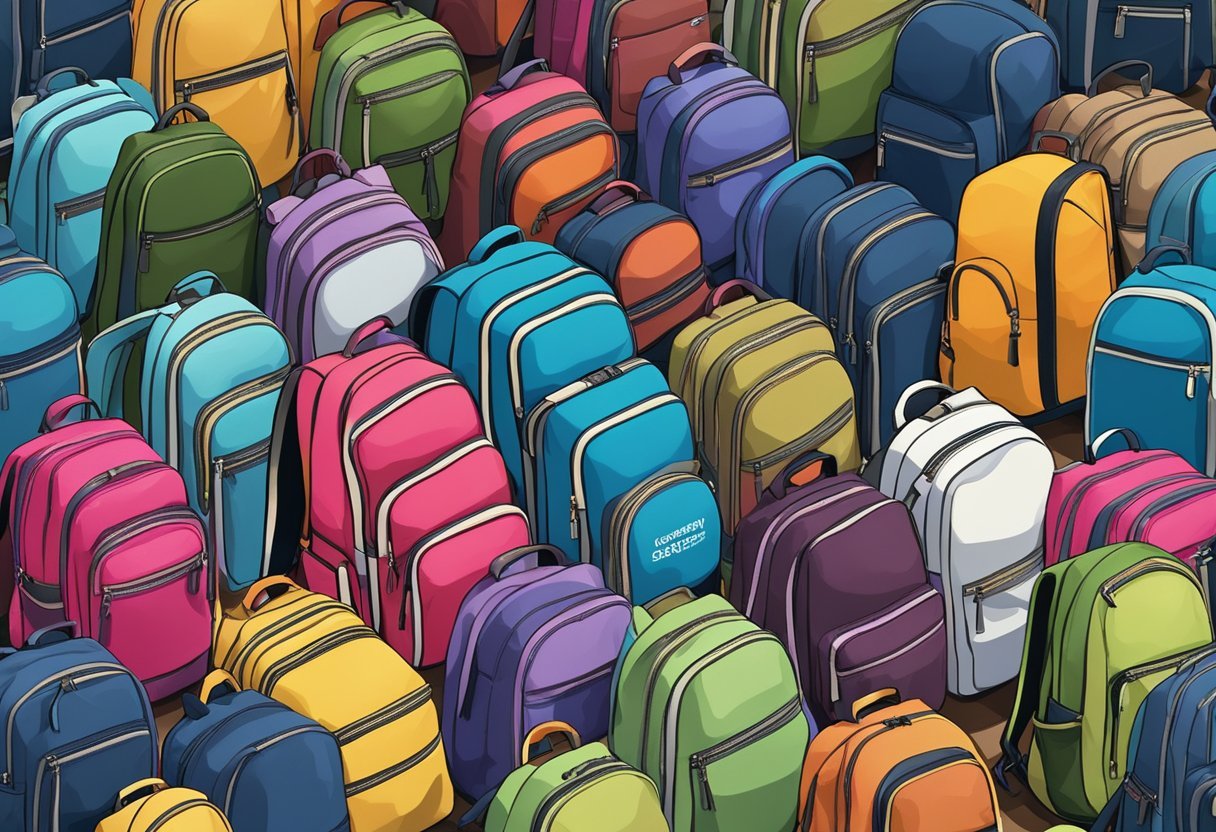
pixel 316 656
pixel 229 57
pixel 1035 261
pixel 151 804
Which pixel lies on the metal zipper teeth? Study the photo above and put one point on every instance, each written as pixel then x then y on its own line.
pixel 275 673
pixel 770 724
pixel 164 18
pixel 514 166
pixel 1166 503
pixel 390 713
pixel 939 459
pixel 237 461
pixel 668 299
pixel 1117 685
pixel 701 341
pixel 905 721
pixel 151 237
pixel 552 804
pixel 99 482
pixel 402 90
pixel 250 753
pixel 157 579
pixel 221 406
pixel 45 40
pixel 124 532
pixel 417 154
pixel 387 774
pixel 82 204
pixel 232 76
pixel 1006 578
pixel 617 555
pixel 53 763
pixel 1113 584
pixel 30 360
pixel 238 660
pixel 586 191
pixel 1144 142
pixel 925 144
pixel 1145 358
pixel 758 159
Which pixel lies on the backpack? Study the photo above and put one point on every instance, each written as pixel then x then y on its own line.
pixel 291 645
pixel 763 387
pixel 649 253
pixel 69 701
pixel 776 213
pixel 40 352
pixel 1105 628
pixel 935 137
pixel 707 706
pixel 976 482
pixel 1184 210
pixel 896 765
pixel 260 762
pixel 871 262
pixel 692 156
pixel 807 567
pixel 1150 360
pixel 243 78
pixel 533 150
pixel 102 535
pixel 481 27
pixel 302 21
pixel 210 369
pixel 1030 359
pixel 64 149
pixel 1138 134
pixel 151 804
pixel 1148 496
pixel 390 90
pixel 386 482
pixel 344 249
pixel 586 447
pixel 1176 40
pixel 535 642
pixel 829 65
pixel 516 322
pixel 585 788
pixel 151 237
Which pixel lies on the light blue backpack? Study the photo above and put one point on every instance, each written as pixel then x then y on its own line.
pixel 65 147
pixel 598 457
pixel 39 342
pixel 213 366
pixel 1150 362
pixel 1184 210
pixel 516 322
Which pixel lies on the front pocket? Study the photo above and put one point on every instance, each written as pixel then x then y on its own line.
pixel 105 37
pixel 635 59
pixel 74 780
pixel 1126 692
pixel 238 513
pixel 426 192
pixel 1055 769
pixel 994 615
pixel 936 170
pixel 73 251
pixel 1160 35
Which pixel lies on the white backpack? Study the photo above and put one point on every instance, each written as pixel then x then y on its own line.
pixel 976 481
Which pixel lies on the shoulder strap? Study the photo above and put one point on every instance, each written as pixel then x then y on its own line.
pixel 510 52
pixel 286 493
pixel 107 358
pixel 1030 679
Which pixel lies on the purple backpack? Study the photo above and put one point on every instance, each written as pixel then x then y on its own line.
pixel 345 249
pixel 835 569
pixel 533 644
pixel 693 157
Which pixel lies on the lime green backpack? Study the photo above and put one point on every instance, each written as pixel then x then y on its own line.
pixel 1105 628
pixel 707 705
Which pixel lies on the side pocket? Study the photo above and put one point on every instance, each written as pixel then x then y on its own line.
pixel 1055 771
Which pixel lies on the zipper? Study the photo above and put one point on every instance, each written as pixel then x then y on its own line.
pixel 54 762
pixel 940 760
pixel 1113 584
pixel 771 724
pixel 1118 684
pixel 1163 504
pixel 97 483
pixel 821 272
pixel 391 94
pixel 1193 371
pixel 225 467
pixel 888 725
pixel 1143 142
pixel 701 340
pixel 208 417
pixel 231 76
pixel 563 202
pixel 149 238
pixel 389 773
pixel 939 459
pixel 238 661
pixel 44 40
pixel 900 137
pixel 318 648
pixel 573 782
pixel 709 178
pixel 1123 12
pixel 121 533
pixel 998 582
pixel 772 36
pixel 62 346
pixel 258 749
pixel 426 155
pixel 835 674
pixel 82 204
pixel 403 707
pixel 156 580
pixel 514 166
pixel 192 748
pixel 1074 499
pixel 616 557
pixel 1102 524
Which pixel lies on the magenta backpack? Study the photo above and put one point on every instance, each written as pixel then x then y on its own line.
pixel 387 481
pixel 102 535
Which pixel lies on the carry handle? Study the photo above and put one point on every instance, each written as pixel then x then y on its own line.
pixel 616 195
pixel 173 112
pixel 867 702
pixel 695 56
pixel 59 410
pixel 195 287
pixel 259 594
pixel 43 90
pixel 1070 143
pixel 511 78
pixel 67 629
pixel 543 730
pixel 364 332
pixel 1146 80
pixel 332 20
pixel 542 550
pixel 139 789
pixel 496 240
pixel 1090 454
pixel 216 679
pixel 733 290
pixel 803 470
pixel 656 606
pixel 310 167
pixel 1157 252
pixel 905 398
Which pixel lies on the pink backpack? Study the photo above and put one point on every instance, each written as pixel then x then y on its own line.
pixel 405 502
pixel 102 535
pixel 1131 495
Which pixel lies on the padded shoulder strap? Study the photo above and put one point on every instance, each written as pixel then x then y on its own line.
pixel 286 494
pixel 107 358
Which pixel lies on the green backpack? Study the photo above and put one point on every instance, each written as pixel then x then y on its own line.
pixel 1104 629
pixel 391 89
pixel 707 705
pixel 583 790
pixel 182 198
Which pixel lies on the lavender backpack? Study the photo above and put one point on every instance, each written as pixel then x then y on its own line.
pixel 834 568
pixel 694 158
pixel 535 642
pixel 345 248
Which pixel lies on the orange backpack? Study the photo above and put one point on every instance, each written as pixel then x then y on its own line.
pixel 897 766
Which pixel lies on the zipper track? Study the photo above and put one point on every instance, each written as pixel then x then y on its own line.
pixel 84 27
pixel 248 753
pixel 1013 575
pixel 1167 502
pixel 669 298
pixel 24 362
pixel 147 239
pixel 514 166
pixel 1117 685
pixel 959 443
pixel 231 76
pixel 275 673
pixel 1142 143
pixel 78 205
pixel 905 721
pixel 771 724
pixel 616 545
pixel 1074 499
pixel 392 771
pixel 547 811
pixel 132 528
pixel 237 661
pixel 390 713
pixel 759 158
pixel 920 143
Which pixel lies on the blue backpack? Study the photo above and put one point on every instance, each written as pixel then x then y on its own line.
pixel 873 263
pixel 64 150
pixel 776 213
pixel 969 78
pixel 1184 210
pixel 213 365
pixel 591 443
pixel 1150 365
pixel 515 322
pixel 264 765
pixel 79 729
pixel 39 343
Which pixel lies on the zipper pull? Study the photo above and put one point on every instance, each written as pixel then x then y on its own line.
pixel 541 219
pixel 881 155
pixel 707 796
pixel 897 722
pixel 1192 374
pixel 1015 333
pixel 946 348
pixel 3 395
pixel 192 580
pixel 852 344
pixel 808 57
pixel 430 181
pixel 614 44
pixel 187 91
pixel 1121 21
pixel 65 686
pixel 1142 814
pixel 573 518
pixel 145 254
pixel 390 582
pixel 757 482
pixel 979 612
pixel 697 21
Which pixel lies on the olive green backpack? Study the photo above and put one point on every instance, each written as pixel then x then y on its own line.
pixel 1105 628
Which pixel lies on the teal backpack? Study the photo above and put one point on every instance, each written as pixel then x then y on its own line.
pixel 213 365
